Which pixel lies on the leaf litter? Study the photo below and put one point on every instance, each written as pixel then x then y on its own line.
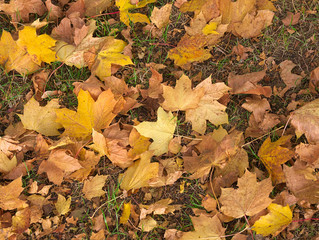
pixel 131 155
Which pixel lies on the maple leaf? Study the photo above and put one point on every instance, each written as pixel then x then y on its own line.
pixel 93 187
pixel 41 119
pixel 6 164
pixel 249 199
pixel 190 49
pixel 310 128
pixel 125 16
pixel 90 115
pixel 39 47
pixel 8 145
pixel 302 181
pixel 273 155
pixel 182 97
pixel 208 107
pixel 9 197
pixel 12 57
pixel 58 165
pixel 160 17
pixel 110 54
pixel 289 78
pixel 62 205
pixel 205 227
pixel 275 221
pixel 20 10
pixel 160 131
pixel 96 6
pixel 139 174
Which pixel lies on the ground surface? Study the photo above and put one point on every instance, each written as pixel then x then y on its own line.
pixel 278 43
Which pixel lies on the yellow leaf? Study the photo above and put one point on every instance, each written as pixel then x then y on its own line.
pixel 41 119
pixel 190 49
pixel 6 165
pixel 93 188
pixel 110 54
pixel 99 143
pixel 89 115
pixel 124 7
pixel 210 28
pixel 182 97
pixel 13 57
pixel 273 155
pixel 62 205
pixel 208 107
pixel 139 174
pixel 161 131
pixel 126 213
pixel 275 221
pixel 39 47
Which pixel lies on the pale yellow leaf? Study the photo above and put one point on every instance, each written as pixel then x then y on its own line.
pixel 62 205
pixel 93 187
pixel 6 165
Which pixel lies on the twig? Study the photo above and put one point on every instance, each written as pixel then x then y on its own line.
pixel 176 135
pixel 261 136
pixel 211 186
pixel 251 233
pixel 286 125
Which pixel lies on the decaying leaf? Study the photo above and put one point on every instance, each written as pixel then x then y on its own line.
pixel 275 221
pixel 139 174
pixel 6 164
pixel 90 114
pixel 41 119
pixel 249 199
pixel 182 97
pixel 273 155
pixel 160 131
pixel 160 17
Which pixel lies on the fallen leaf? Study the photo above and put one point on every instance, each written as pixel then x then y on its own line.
pixel 273 155
pixel 155 89
pixel 147 224
pixel 309 153
pixel 20 10
pixel 314 80
pixel 160 17
pixel 93 187
pixel 6 164
pixel 21 220
pixel 291 19
pixel 160 131
pixel 160 207
pixel 302 182
pixel 310 128
pixel 289 78
pixel 250 198
pixel 208 107
pixel 9 197
pixel 190 49
pixel 205 227
pixel 8 145
pixel 127 17
pixel 241 51
pixel 96 7
pixel 55 12
pixel 90 115
pixel 182 97
pixel 62 205
pixel 94 86
pixel 258 106
pixel 41 119
pixel 126 213
pixel 139 174
pixel 247 84
pixel 275 221
pixel 39 83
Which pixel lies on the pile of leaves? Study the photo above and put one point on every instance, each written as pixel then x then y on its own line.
pixel 119 164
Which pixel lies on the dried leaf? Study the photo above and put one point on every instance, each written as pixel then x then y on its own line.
pixel 62 205
pixel 249 199
pixel 9 197
pixel 160 131
pixel 93 187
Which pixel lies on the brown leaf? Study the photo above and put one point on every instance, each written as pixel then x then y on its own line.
pixel 160 207
pixel 302 181
pixel 182 97
pixel 39 83
pixel 250 198
pixel 155 88
pixel 309 153
pixel 241 51
pixel 310 128
pixel 291 19
pixel 21 220
pixel 257 106
pixel 96 7
pixel 247 84
pixel 54 11
pixel 205 227
pixel 289 78
pixel 314 80
pixel 9 197
pixel 160 17
pixel 93 187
